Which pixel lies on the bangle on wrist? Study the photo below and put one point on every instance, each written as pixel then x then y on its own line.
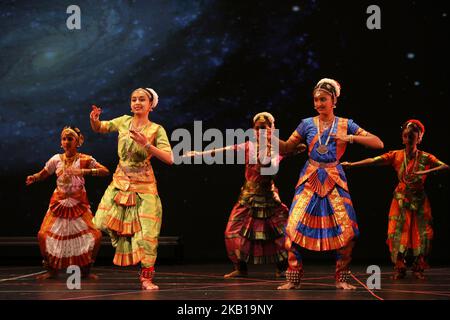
pixel 94 172
pixel 351 139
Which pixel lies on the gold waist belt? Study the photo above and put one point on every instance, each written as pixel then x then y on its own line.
pixel 258 187
pixel 323 164
pixel 134 170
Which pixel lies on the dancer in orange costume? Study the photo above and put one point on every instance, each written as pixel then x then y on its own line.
pixel 67 235
pixel 410 213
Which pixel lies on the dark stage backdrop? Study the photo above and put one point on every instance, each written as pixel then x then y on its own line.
pixel 220 62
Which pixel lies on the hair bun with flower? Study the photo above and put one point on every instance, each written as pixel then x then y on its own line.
pixel 329 85
pixel 74 131
pixel 266 116
pixel 418 124
pixel 153 96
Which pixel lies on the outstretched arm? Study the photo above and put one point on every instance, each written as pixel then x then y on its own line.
pixel 164 156
pixel 41 175
pixel 361 163
pixel 212 151
pixel 441 167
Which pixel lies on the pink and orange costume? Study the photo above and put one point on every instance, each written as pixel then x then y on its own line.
pixel 255 229
pixel 67 235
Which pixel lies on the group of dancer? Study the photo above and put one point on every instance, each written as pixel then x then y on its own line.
pixel 261 228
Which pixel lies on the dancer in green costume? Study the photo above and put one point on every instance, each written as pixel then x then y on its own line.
pixel 130 210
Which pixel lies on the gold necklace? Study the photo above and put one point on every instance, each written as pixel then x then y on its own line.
pixel 69 160
pixel 138 129
pixel 326 124
pixel 408 174
pixel 323 148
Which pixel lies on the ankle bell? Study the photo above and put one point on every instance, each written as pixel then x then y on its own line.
pixel 343 276
pixel 294 276
pixel 147 273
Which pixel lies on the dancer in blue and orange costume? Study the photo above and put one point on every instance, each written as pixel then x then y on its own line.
pixel 255 228
pixel 321 216
pixel 410 220
pixel 67 235
pixel 130 211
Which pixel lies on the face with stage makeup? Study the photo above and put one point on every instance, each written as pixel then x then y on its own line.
pixel 141 102
pixel 411 135
pixel 323 102
pixel 262 123
pixel 71 139
pixel 69 142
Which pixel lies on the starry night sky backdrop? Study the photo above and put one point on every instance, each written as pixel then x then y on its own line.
pixel 220 62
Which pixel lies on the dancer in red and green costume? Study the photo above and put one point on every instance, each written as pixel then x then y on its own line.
pixel 321 216
pixel 255 228
pixel 130 210
pixel 410 221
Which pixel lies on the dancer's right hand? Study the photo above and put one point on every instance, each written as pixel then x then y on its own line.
pixel 191 154
pixel 346 164
pixel 95 113
pixel 29 180
pixel 301 148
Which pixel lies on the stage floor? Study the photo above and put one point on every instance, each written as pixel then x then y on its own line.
pixel 206 282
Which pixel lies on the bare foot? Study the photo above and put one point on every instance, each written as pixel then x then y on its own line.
pixel 236 274
pixel 90 276
pixel 344 285
pixel 419 275
pixel 280 274
pixel 47 275
pixel 398 276
pixel 148 285
pixel 288 286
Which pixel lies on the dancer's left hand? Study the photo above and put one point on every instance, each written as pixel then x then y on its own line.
pixel 341 137
pixel 301 148
pixel 191 154
pixel 73 172
pixel 346 164
pixel 30 180
pixel 140 138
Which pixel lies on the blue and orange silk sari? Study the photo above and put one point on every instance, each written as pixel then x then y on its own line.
pixel 321 216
